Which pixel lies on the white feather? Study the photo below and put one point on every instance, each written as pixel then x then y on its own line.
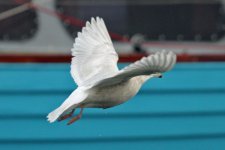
pixel 74 99
pixel 93 53
pixel 94 69
pixel 153 64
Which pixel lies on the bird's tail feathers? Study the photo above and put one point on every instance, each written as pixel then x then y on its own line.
pixel 55 114
pixel 71 102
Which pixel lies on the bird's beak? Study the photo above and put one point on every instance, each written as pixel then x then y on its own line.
pixel 157 75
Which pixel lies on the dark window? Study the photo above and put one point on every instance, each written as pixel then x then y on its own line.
pixel 158 21
pixel 21 26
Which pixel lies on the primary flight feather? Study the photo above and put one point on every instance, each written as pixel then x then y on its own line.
pixel 100 83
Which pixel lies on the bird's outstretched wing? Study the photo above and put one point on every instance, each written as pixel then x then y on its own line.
pixel 94 55
pixel 157 63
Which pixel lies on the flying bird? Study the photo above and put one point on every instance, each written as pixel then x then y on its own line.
pixel 100 83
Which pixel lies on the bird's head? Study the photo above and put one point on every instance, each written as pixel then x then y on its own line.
pixel 157 75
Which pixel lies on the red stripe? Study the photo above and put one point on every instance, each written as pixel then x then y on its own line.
pixel 186 46
pixel 123 58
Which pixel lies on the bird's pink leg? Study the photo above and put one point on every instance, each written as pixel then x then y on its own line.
pixel 66 116
pixel 76 117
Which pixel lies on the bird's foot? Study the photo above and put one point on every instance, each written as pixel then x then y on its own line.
pixel 66 116
pixel 76 117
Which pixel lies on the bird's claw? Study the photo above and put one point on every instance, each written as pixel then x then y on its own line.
pixel 66 116
pixel 76 117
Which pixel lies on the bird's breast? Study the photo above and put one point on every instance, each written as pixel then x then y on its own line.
pixel 114 95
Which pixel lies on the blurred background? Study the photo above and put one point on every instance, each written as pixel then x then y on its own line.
pixel 183 110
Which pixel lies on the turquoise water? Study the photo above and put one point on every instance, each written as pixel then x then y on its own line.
pixel 183 110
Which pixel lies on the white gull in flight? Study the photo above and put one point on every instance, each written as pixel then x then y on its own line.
pixel 100 83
